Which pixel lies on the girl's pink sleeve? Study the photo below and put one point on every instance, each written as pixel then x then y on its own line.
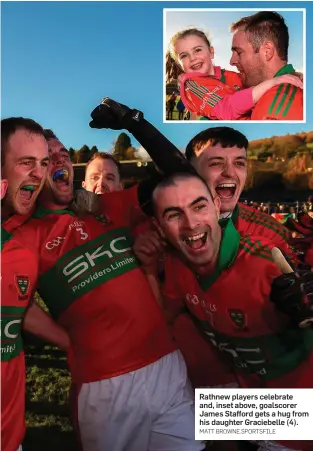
pixel 233 106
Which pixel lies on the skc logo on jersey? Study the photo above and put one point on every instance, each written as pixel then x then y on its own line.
pixel 11 340
pixel 85 267
pixel 88 260
pixel 22 285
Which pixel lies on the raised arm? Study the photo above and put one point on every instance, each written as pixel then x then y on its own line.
pixel 116 116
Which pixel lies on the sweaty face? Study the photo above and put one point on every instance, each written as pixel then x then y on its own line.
pixel 59 188
pixel 247 61
pixel 188 218
pixel 102 176
pixel 194 55
pixel 25 169
pixel 224 170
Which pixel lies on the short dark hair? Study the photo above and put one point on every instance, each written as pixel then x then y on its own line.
pixel 225 136
pixel 11 125
pixel 105 156
pixel 265 25
pixel 49 134
pixel 147 187
pixel 171 179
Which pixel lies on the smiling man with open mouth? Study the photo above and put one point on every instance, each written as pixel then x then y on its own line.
pixel 190 221
pixel 60 177
pixel 234 290
pixel 219 156
pixel 24 162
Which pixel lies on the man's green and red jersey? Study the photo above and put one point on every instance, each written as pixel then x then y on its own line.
pixel 19 277
pixel 283 102
pixel 93 286
pixel 249 221
pixel 233 310
pixel 216 97
pixel 195 348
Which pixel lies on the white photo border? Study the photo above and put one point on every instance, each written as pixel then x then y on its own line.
pixel 303 10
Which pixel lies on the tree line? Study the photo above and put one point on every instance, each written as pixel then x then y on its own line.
pixel 122 150
pixel 275 148
pixel 281 147
pixel 288 159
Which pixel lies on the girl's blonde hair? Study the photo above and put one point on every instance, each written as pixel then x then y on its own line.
pixel 172 68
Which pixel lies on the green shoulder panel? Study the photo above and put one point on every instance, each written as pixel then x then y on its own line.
pixel 86 267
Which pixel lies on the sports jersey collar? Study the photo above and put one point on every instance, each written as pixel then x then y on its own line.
pixel 42 211
pixel 227 254
pixel 288 69
pixel 5 236
pixel 234 216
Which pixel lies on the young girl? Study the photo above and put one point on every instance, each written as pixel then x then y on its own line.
pixel 208 90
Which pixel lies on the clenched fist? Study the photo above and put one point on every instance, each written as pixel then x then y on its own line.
pixel 114 115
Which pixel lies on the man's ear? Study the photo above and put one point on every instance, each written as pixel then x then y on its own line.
pixel 217 203
pixel 4 187
pixel 84 184
pixel 267 50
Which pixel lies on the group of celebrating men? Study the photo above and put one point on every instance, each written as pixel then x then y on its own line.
pixel 152 290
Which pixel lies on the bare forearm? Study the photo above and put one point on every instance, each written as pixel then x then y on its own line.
pixel 40 323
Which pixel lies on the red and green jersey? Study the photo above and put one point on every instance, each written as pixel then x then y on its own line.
pixel 215 96
pixel 93 286
pixel 19 277
pixel 232 308
pixel 193 345
pixel 283 102
pixel 249 221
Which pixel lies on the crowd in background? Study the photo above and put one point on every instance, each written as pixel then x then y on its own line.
pixel 283 207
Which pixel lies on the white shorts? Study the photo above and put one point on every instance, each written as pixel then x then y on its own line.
pixel 150 409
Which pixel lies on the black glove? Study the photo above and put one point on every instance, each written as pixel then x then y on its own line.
pixel 166 157
pixel 293 296
pixel 114 115
pixel 85 203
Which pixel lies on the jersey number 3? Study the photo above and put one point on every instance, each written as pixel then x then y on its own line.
pixel 83 234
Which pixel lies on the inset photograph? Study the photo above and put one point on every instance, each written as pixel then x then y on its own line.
pixel 234 65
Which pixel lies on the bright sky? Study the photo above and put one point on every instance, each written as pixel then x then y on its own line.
pixel 216 25
pixel 60 58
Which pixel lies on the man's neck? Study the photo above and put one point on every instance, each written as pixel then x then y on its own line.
pixel 272 69
pixel 208 268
